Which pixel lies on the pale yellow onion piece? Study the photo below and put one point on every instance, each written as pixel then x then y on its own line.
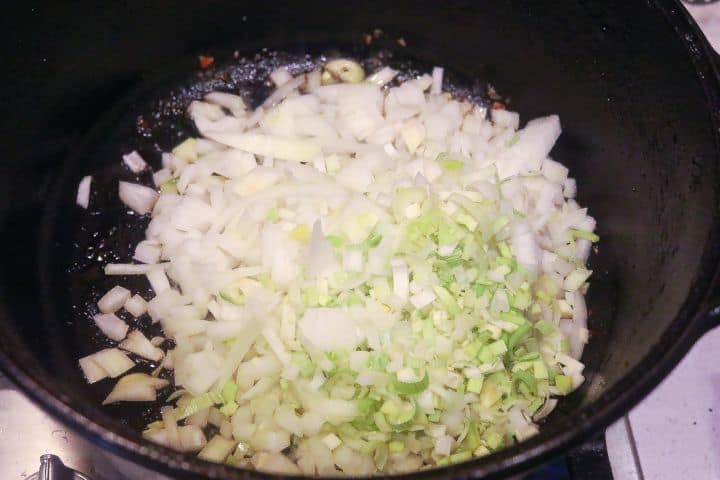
pixel 294 150
pixel 342 70
pixel 135 387
pixel 546 409
pixel 136 306
pixel 156 435
pixel 138 197
pixel 114 299
pixel 83 192
pixel 111 326
pixel 217 449
pixel 113 361
pixel 92 371
pixel 138 344
pixel 171 426
pixel 192 438
pixel 234 103
pixel 274 462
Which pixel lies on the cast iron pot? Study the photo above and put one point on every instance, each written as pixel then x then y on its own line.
pixel 632 82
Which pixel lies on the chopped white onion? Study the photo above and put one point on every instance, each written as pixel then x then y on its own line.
pixel 83 192
pixel 423 298
pixel 359 239
pixel 443 445
pixel 136 305
pixel 234 103
pixel 158 280
pixel 134 162
pixel 132 269
pixel 437 80
pixel 401 278
pixel 147 252
pixel 138 344
pixel 113 327
pixel 92 371
pixel 110 360
pixel 138 197
pixel 135 387
pixel 280 76
pixel 114 299
pixel 383 76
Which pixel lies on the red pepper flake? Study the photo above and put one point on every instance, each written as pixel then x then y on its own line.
pixel 205 62
pixel 377 33
pixel 401 41
pixel 498 106
pixel 367 38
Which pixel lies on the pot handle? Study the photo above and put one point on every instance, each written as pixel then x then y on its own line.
pixel 589 461
pixel 52 468
pixel 710 316
pixel 711 313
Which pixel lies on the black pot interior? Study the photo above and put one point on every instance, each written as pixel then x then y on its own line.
pixel 638 135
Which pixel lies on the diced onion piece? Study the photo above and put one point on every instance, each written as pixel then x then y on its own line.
pixel 134 162
pixel 113 361
pixel 136 305
pixel 569 362
pixel 114 299
pixel 132 269
pixel 138 344
pixel 234 103
pixel 383 76
pixel 413 135
pixel 506 118
pixel 83 192
pixel 332 441
pixel 113 327
pixel 139 198
pixel 570 188
pixel 191 438
pixel 546 409
pixel 158 280
pixel 295 150
pixel 575 279
pixel 276 345
pixel 437 80
pixel 343 70
pixel 554 171
pixel 274 462
pixel 401 278
pixel 147 252
pixel 217 449
pixel 162 176
pixel 92 371
pixel 136 387
pixel 423 298
pixel 443 445
pixel 353 261
pixel 280 76
pixel 186 151
pixel 327 329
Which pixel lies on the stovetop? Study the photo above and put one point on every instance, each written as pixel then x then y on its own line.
pixel 673 434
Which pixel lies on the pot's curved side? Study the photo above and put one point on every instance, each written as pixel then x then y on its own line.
pixel 696 313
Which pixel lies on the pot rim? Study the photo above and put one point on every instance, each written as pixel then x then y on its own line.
pixel 682 333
